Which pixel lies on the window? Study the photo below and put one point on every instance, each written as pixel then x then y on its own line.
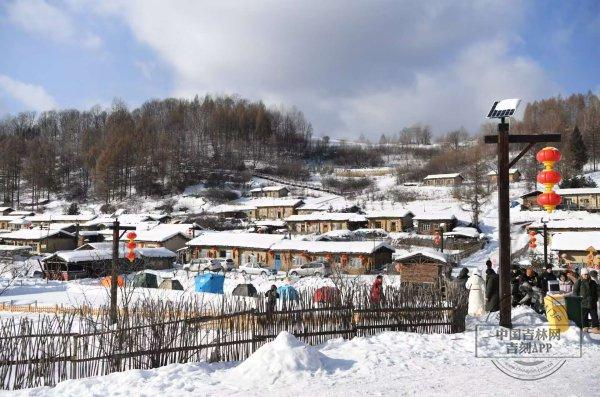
pixel 222 253
pixel 392 226
pixel 377 224
pixel 426 227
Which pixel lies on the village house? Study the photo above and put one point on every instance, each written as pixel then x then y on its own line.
pixel 323 204
pixel 529 201
pixel 95 260
pixel 587 199
pixel 158 237
pixel 240 247
pixel 391 220
pixel 19 223
pixel 270 191
pixel 272 208
pixel 577 248
pixel 22 213
pixel 421 266
pixel 353 257
pixel 105 221
pixel 42 241
pixel 429 223
pixel 323 222
pixel 232 211
pixel 6 210
pixel 513 176
pixel 448 180
pixel 5 221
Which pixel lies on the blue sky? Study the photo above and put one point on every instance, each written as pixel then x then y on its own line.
pixel 351 66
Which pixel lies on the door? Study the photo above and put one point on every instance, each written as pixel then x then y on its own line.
pixel 277 262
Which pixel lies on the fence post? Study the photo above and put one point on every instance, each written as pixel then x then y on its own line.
pixel 74 374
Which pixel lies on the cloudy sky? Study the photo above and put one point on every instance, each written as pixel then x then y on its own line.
pixel 352 67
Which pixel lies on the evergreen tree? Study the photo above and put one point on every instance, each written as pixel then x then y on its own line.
pixel 579 154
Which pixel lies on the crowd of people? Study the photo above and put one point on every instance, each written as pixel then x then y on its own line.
pixel 529 287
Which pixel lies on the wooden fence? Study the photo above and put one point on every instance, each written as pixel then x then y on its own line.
pixel 150 334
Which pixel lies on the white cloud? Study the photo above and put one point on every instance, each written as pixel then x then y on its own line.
pixel 33 97
pixel 40 18
pixel 352 67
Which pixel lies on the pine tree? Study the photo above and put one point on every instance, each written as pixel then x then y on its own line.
pixel 579 154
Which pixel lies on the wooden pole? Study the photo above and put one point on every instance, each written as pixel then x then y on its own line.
pixel 114 275
pixel 504 225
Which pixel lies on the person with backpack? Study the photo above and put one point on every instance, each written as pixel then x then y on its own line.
pixel 588 290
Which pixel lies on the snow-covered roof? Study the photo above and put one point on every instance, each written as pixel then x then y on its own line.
pixel 10 218
pixel 323 203
pixel 327 216
pixel 106 254
pixel 229 239
pixel 61 218
pixel 510 172
pixel 8 247
pixel 434 216
pixel 443 176
pixel 337 247
pixel 272 202
pixel 341 233
pixel 21 213
pixel 463 231
pixel 156 234
pixel 578 191
pixel 2 209
pixel 96 246
pixel 19 221
pixel 438 256
pixel 531 193
pixel 575 241
pixel 271 223
pixel 227 208
pixel 126 219
pixel 389 214
pixel 593 223
pixel 34 234
pixel 268 189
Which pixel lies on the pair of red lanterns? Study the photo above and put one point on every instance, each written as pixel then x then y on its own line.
pixel 548 177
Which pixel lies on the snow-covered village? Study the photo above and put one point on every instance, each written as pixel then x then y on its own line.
pixel 341 198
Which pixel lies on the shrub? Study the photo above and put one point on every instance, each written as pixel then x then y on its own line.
pixel 347 184
pixel 220 195
pixel 73 209
pixel 107 208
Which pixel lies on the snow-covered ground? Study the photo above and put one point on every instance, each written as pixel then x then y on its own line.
pixel 390 363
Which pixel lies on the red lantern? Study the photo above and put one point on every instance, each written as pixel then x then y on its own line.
pixel 532 240
pixel 437 239
pixel 549 177
pixel 548 156
pixel 130 245
pixel 131 236
pixel 549 200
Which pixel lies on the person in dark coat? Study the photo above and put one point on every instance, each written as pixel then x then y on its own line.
pixel 488 264
pixel 462 277
pixel 545 277
pixel 588 290
pixel 376 294
pixel 531 277
pixel 272 295
pixel 492 291
pixel 515 281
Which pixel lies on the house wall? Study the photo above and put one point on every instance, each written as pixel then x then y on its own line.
pixel 577 257
pixel 429 227
pixel 310 227
pixel 531 203
pixel 391 224
pixel 239 255
pixel 173 244
pixel 443 181
pixel 355 264
pixel 273 194
pixel 590 202
pixel 272 212
pixel 419 272
pixel 49 245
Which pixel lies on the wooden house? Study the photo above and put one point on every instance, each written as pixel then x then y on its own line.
pixel 446 180
pixel 421 266
pixel 160 238
pixel 270 191
pixel 6 210
pixel 577 248
pixel 529 201
pixel 5 221
pixel 48 219
pixel 429 223
pixel 391 220
pixel 513 176
pixel 354 257
pixel 240 247
pixel 566 225
pixel 586 199
pixel 272 208
pixel 42 241
pixel 324 222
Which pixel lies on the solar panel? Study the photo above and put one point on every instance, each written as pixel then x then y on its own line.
pixel 503 108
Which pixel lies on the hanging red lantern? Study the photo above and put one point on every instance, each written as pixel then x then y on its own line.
pixel 548 156
pixel 549 177
pixel 549 200
pixel 130 245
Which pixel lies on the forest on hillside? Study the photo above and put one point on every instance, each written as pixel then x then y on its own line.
pixel 166 145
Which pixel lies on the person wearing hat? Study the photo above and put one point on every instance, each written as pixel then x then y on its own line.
pixel 545 277
pixel 588 290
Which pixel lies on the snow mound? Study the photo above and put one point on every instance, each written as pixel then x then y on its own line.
pixel 284 357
